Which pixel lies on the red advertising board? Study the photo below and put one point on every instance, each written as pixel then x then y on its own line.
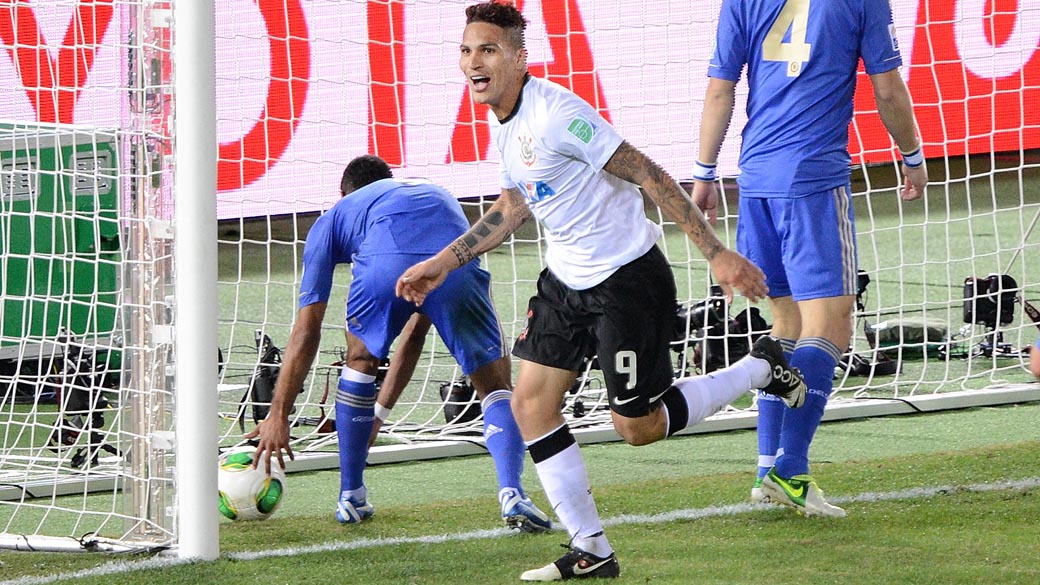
pixel 974 75
pixel 302 87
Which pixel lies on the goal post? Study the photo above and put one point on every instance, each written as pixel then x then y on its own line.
pixel 110 439
pixel 195 257
pixel 149 219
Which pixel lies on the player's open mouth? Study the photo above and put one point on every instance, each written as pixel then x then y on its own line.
pixel 480 82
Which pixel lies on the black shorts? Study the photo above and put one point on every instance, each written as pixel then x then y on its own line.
pixel 627 321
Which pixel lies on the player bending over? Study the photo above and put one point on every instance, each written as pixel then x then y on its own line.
pixel 383 226
pixel 608 290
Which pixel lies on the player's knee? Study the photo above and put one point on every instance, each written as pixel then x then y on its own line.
pixel 638 438
pixel 365 363
pixel 524 407
pixel 491 377
pixel 637 431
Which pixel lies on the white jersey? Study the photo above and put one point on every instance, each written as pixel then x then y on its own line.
pixel 553 148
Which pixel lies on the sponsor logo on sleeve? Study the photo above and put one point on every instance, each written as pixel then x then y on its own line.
pixel 582 129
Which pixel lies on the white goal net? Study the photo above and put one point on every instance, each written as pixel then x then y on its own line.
pixel 88 400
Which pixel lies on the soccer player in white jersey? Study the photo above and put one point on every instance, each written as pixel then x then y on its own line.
pixel 795 217
pixel 382 226
pixel 608 290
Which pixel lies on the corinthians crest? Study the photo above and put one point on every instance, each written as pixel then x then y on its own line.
pixel 527 154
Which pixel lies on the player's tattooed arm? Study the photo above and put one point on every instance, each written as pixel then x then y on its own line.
pixel 635 167
pixel 507 214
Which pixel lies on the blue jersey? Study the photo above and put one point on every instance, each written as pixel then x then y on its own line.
pixel 388 217
pixel 801 58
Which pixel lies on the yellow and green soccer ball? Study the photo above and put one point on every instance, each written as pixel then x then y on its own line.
pixel 247 493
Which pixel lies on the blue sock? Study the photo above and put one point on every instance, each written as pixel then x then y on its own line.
pixel 816 358
pixel 770 419
pixel 355 411
pixel 503 440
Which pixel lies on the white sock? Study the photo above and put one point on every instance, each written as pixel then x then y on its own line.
pixel 566 484
pixel 705 395
pixel 758 369
pixel 596 545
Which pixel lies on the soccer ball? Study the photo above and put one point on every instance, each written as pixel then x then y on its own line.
pixel 247 493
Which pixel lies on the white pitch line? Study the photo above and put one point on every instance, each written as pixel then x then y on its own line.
pixel 120 567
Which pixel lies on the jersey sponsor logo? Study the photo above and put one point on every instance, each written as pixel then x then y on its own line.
pixel 527 153
pixel 537 190
pixel 582 129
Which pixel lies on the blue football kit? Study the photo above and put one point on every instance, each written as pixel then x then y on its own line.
pixel 383 229
pixel 801 58
pixel 796 139
pixel 795 217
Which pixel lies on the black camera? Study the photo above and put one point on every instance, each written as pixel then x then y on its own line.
pixel 460 401
pixel 718 340
pixel 990 301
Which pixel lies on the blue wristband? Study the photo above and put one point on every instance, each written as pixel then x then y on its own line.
pixel 913 159
pixel 703 172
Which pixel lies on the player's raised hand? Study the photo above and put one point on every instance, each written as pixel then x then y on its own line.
pixel 734 271
pixel 419 280
pixel 272 436
pixel 914 181
pixel 706 197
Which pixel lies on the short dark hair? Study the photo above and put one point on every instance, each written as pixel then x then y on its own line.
pixel 363 170
pixel 501 14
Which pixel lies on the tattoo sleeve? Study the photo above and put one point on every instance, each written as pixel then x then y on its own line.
pixel 507 214
pixel 633 166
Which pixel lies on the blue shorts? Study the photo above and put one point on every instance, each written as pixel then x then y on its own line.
pixel 460 309
pixel 806 246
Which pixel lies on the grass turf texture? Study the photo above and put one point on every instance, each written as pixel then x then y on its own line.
pixel 953 537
